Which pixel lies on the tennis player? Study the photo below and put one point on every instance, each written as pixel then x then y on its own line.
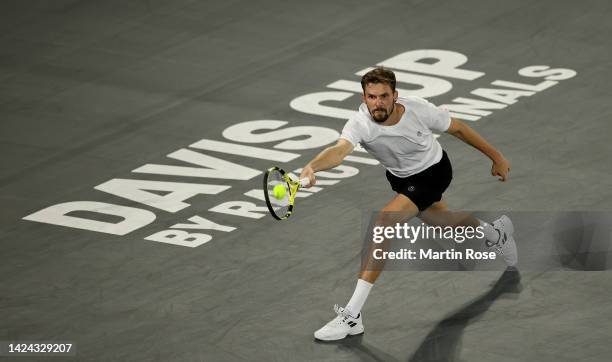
pixel 398 132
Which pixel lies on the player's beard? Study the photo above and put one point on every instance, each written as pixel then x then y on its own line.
pixel 380 115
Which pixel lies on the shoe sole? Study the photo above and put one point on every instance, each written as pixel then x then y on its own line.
pixel 509 229
pixel 353 333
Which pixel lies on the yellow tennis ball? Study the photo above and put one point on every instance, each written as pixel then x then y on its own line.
pixel 279 191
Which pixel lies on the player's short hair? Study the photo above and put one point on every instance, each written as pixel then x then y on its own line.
pixel 379 75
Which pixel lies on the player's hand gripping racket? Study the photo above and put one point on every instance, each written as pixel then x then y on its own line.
pixel 279 190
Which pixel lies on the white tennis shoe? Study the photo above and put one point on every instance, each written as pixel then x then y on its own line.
pixel 338 328
pixel 505 244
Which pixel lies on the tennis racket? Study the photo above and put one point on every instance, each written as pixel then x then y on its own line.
pixel 281 207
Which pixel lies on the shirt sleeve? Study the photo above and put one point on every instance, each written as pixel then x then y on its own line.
pixel 435 118
pixel 440 118
pixel 351 131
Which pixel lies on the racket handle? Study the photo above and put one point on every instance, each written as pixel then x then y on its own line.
pixel 304 182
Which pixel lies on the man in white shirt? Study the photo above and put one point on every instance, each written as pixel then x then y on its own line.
pixel 398 132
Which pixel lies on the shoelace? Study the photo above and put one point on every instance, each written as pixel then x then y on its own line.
pixel 342 315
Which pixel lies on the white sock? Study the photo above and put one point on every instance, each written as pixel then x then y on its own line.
pixel 490 233
pixel 359 297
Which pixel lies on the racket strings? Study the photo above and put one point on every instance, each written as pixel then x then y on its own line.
pixel 280 206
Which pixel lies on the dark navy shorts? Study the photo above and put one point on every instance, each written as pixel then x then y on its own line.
pixel 427 186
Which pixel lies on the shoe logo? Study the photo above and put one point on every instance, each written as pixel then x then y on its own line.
pixel 352 324
pixel 495 246
pixel 503 240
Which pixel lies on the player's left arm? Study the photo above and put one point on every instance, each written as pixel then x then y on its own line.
pixel 501 166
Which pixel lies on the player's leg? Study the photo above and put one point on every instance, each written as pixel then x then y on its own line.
pixel 438 214
pixel 399 209
pixel 498 234
pixel 348 320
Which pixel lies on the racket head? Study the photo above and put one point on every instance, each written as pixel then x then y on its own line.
pixel 282 208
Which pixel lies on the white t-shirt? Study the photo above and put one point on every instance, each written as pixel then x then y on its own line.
pixel 409 146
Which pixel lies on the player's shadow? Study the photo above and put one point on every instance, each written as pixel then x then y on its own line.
pixel 444 341
pixel 442 344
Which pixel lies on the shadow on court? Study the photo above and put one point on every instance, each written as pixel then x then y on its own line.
pixel 362 350
pixel 443 343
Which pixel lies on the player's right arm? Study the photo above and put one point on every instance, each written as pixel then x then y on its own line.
pixel 328 158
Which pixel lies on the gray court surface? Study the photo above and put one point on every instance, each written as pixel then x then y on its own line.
pixel 92 90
